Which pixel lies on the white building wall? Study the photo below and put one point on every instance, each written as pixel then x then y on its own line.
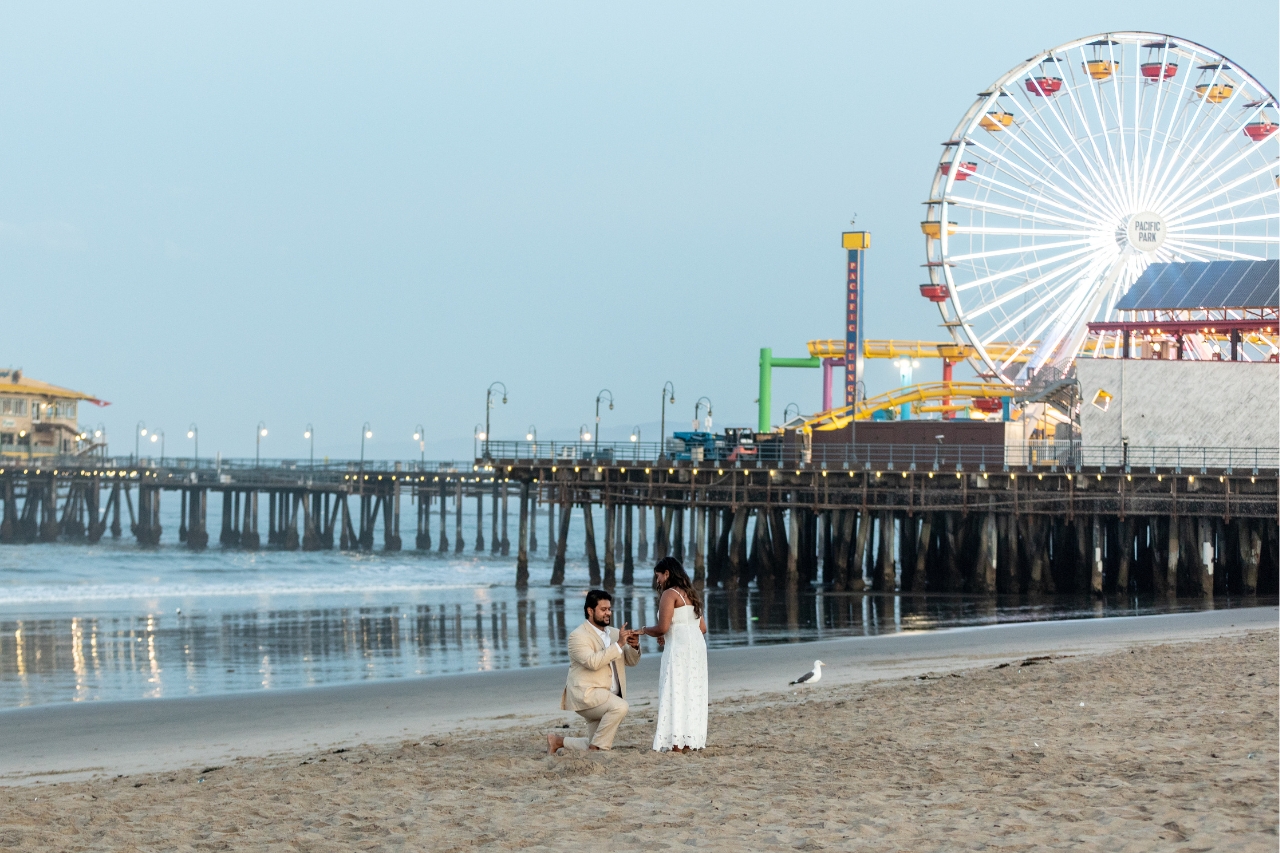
pixel 1180 403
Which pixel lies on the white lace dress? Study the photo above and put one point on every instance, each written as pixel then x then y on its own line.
pixel 682 685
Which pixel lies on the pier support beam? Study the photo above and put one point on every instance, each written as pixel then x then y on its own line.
pixel 250 538
pixel 506 543
pixel 610 532
pixel 479 520
pixel 642 547
pixel 589 529
pixel 198 520
pixel 522 540
pixel 495 541
pixel 459 545
pixel 444 519
pixel 628 561
pixel 534 497
pixel 562 541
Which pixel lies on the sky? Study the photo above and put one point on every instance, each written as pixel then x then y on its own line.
pixel 333 214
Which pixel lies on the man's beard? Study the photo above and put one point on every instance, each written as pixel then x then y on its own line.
pixel 598 624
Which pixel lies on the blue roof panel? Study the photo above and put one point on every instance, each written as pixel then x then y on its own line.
pixel 1211 284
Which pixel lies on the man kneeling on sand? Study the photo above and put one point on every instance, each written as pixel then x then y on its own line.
pixel 596 685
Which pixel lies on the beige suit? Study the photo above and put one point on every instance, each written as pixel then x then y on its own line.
pixel 588 687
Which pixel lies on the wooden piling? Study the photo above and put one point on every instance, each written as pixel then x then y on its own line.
pixel 562 541
pixel 643 546
pixel 534 497
pixel 479 520
pixel 699 546
pixel 459 544
pixel 444 524
pixel 610 528
pixel 495 540
pixel 506 543
pixel 522 541
pixel 589 531
pixel 628 561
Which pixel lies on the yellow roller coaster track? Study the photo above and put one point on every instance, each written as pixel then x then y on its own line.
pixel 954 391
pixel 912 349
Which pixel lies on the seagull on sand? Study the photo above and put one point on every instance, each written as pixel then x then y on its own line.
pixel 813 676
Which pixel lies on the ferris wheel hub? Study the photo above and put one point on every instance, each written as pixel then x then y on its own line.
pixel 1146 231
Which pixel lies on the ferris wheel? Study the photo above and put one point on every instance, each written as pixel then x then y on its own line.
pixel 1078 168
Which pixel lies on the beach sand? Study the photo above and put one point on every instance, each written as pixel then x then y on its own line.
pixel 1157 747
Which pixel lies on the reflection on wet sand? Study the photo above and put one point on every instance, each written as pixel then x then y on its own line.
pixel 78 658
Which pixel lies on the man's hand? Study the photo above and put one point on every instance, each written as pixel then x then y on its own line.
pixel 634 640
pixel 627 637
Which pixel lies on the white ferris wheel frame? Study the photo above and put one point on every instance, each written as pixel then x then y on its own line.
pixel 1034 239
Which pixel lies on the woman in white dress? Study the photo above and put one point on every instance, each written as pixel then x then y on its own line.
pixel 682 678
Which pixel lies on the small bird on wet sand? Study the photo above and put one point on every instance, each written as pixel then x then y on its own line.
pixel 813 676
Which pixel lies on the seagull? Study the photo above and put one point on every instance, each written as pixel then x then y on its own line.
pixel 813 676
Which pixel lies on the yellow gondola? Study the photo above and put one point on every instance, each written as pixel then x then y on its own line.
pixel 934 229
pixel 996 120
pixel 1215 93
pixel 1101 69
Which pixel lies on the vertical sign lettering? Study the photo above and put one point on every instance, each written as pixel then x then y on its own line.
pixel 852 329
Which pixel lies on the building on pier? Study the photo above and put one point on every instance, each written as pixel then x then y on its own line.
pixel 39 419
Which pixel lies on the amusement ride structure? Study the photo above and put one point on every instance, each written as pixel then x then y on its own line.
pixel 1064 181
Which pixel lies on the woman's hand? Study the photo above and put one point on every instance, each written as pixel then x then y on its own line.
pixel 662 643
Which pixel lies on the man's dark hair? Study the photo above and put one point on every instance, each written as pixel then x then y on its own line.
pixel 594 597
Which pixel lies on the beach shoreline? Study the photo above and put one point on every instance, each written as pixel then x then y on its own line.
pixel 80 741
pixel 1148 745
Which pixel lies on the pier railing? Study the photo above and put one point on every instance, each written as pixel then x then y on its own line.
pixel 1040 455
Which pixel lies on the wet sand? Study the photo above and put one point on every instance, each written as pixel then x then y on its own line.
pixel 1158 746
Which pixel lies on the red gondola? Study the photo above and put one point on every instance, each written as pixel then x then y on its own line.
pixel 1158 71
pixel 988 404
pixel 962 172
pixel 1155 68
pixel 1257 131
pixel 1044 86
pixel 935 292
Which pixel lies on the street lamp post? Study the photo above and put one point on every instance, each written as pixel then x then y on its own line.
pixel 310 435
pixel 420 436
pixel 696 406
pixel 139 430
pixel 788 408
pixel 605 393
pixel 159 435
pixel 662 430
pixel 260 434
pixel 477 434
pixel 532 437
pixel 99 437
pixel 635 439
pixel 365 432
pixel 488 407
pixel 193 432
pixel 584 434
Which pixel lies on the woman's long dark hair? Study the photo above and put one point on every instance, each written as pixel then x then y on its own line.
pixel 677 579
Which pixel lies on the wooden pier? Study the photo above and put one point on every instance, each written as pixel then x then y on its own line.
pixel 918 519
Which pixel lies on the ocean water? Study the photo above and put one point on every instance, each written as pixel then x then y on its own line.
pixel 116 621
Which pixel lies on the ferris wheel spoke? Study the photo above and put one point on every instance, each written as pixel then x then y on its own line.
pixel 1111 160
pixel 1187 188
pixel 1272 239
pixel 1221 223
pixel 1163 96
pixel 1268 193
pixel 1025 138
pixel 1153 173
pixel 1034 334
pixel 1019 270
pixel 1117 204
pixel 1212 253
pixel 1019 250
pixel 1009 191
pixel 1038 179
pixel 1089 175
pixel 1030 286
pixel 1175 180
pixel 1068 332
pixel 1159 175
pixel 997 231
pixel 1016 213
